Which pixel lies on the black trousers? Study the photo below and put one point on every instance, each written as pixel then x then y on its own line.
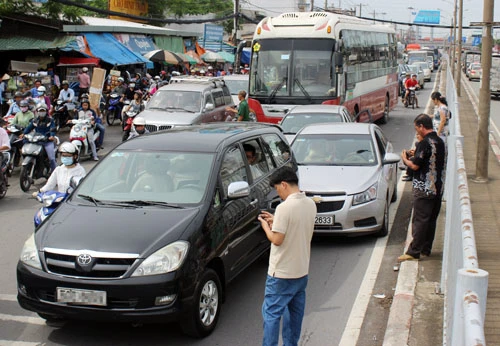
pixel 425 214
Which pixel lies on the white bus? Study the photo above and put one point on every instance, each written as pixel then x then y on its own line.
pixel 321 57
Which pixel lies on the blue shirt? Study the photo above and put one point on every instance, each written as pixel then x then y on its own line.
pixel 13 109
pixel 34 92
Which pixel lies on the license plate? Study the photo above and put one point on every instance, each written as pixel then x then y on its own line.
pixel 81 297
pixel 324 220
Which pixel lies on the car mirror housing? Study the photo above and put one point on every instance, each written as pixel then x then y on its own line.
pixel 209 106
pixel 390 158
pixel 238 189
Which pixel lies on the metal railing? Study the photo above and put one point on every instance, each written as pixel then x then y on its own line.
pixel 463 284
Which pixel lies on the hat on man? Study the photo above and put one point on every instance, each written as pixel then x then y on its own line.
pixel 6 77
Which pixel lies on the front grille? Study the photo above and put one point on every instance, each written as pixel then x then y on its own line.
pixel 154 128
pixel 101 267
pixel 325 207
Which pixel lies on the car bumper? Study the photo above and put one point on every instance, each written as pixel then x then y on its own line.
pixel 354 220
pixel 128 299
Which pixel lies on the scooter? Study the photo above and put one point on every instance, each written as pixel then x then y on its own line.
pixel 36 163
pixel 410 100
pixel 16 145
pixel 3 176
pixel 50 201
pixel 130 115
pixel 62 113
pixel 78 136
pixel 114 109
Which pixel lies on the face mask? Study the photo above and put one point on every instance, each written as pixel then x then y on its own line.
pixel 42 114
pixel 67 161
pixel 24 109
pixel 141 132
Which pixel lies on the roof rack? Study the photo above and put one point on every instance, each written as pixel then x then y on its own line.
pixel 197 79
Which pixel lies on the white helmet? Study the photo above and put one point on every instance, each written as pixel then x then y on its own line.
pixel 157 78
pixel 120 79
pixel 41 89
pixel 139 121
pixel 85 69
pixel 68 147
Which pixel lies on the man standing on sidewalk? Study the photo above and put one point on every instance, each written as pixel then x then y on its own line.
pixel 290 232
pixel 428 165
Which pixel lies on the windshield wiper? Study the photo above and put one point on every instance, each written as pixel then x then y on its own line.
pixel 91 199
pixel 303 90
pixel 276 89
pixel 143 203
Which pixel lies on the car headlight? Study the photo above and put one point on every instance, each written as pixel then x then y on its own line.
pixel 29 253
pixel 366 196
pixel 165 260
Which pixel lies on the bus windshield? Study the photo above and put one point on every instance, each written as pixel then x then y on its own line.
pixel 288 67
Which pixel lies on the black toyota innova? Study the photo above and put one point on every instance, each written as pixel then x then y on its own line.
pixel 157 229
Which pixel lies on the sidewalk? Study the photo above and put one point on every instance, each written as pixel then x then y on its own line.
pixel 426 321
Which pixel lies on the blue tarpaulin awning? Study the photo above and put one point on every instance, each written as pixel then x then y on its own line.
pixel 107 48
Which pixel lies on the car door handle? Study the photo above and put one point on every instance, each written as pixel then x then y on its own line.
pixel 254 202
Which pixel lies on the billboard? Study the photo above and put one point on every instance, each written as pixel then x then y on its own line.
pixel 427 17
pixel 133 7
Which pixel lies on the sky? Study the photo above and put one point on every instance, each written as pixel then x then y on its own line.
pixel 387 9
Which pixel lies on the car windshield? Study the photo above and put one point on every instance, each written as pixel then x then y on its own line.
pixel 334 150
pixel 168 177
pixel 292 123
pixel 174 100
pixel 413 68
pixel 235 85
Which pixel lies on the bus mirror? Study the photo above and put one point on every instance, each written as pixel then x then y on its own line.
pixel 338 61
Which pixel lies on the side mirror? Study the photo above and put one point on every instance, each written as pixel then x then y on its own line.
pixel 238 189
pixel 338 60
pixel 209 107
pixel 73 183
pixel 390 158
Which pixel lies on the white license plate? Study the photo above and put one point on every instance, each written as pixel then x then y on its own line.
pixel 81 297
pixel 324 220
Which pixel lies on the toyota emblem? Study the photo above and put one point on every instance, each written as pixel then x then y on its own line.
pixel 84 259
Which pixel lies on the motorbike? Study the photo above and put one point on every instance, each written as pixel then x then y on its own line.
pixel 16 145
pixel 50 201
pixel 36 163
pixel 114 109
pixel 78 136
pixel 3 176
pixel 128 124
pixel 410 100
pixel 62 113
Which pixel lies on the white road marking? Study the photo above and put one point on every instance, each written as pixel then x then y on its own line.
pixel 8 297
pixel 20 343
pixel 358 311
pixel 22 319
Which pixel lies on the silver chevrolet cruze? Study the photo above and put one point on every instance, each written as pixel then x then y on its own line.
pixel 350 171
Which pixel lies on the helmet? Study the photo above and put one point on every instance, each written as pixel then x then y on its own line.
pixel 68 147
pixel 413 75
pixel 157 77
pixel 65 82
pixel 41 89
pixel 210 68
pixel 138 92
pixel 41 106
pixel 18 94
pixel 120 79
pixel 85 96
pixel 139 121
pixel 163 72
pixel 85 69
pixel 138 76
pixel 23 103
pixel 85 101
pixel 131 85
pixel 407 73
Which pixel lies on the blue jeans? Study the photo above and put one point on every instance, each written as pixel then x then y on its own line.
pixel 287 298
pixel 51 154
pixel 101 129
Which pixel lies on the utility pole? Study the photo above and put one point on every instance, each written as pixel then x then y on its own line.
pixel 235 21
pixel 458 78
pixel 360 7
pixel 454 39
pixel 484 94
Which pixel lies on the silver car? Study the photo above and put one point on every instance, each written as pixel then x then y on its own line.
pixel 300 116
pixel 349 170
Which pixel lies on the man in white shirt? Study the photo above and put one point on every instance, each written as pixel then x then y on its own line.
pixel 290 232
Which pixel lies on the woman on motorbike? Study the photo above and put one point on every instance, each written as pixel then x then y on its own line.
pixel 88 114
pixel 61 176
pixel 24 116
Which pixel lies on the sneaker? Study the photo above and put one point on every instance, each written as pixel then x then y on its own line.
pixel 406 178
pixel 406 257
pixel 95 158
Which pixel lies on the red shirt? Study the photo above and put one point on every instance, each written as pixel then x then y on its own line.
pixel 411 83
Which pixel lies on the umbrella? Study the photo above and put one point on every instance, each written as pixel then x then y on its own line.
pixel 227 56
pixel 161 55
pixel 212 57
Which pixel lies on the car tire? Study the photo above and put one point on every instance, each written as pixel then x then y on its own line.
pixel 203 315
pixel 384 231
pixel 387 108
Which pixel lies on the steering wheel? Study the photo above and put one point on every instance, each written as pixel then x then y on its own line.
pixel 354 158
pixel 190 186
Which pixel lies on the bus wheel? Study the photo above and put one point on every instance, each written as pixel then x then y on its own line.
pixel 385 118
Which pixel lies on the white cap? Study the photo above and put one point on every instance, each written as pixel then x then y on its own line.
pixel 85 69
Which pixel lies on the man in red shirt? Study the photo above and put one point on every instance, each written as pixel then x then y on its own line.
pixel 411 82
